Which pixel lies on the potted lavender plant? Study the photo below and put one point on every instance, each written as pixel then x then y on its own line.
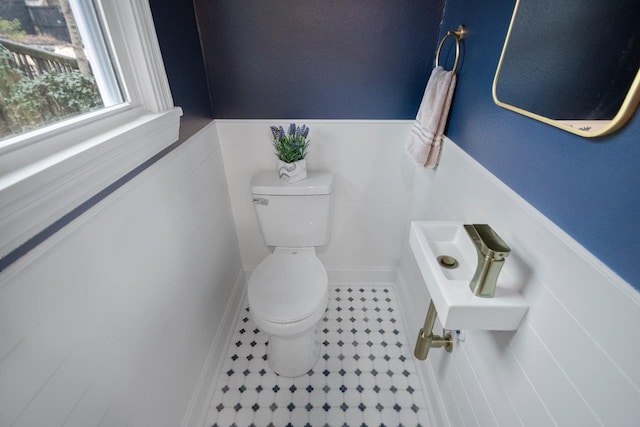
pixel 291 149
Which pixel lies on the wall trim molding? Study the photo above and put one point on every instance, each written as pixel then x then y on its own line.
pixel 314 121
pixel 83 208
pixel 196 413
pixel 37 195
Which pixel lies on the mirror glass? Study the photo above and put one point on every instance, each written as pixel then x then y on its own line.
pixel 572 64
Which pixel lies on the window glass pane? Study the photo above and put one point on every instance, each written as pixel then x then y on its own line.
pixel 54 64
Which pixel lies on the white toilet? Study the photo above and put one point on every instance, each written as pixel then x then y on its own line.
pixel 288 290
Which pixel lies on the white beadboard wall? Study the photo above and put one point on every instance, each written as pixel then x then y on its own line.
pixel 372 190
pixel 574 361
pixel 120 316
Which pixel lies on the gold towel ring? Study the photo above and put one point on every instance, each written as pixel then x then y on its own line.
pixel 458 35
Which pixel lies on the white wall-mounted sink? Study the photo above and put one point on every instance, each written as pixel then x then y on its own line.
pixel 456 305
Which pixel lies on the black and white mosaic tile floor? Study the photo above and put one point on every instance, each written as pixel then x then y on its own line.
pixel 366 375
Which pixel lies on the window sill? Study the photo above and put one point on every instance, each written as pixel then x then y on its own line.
pixel 35 194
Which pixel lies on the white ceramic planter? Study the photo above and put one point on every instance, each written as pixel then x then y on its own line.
pixel 292 172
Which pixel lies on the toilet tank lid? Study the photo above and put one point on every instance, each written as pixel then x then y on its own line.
pixel 269 183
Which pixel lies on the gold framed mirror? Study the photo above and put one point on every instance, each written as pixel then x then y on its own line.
pixel 573 65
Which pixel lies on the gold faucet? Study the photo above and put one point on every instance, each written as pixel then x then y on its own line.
pixel 492 251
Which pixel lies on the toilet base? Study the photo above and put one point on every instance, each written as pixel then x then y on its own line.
pixel 294 356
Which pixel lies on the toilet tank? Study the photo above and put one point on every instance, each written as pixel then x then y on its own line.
pixel 297 214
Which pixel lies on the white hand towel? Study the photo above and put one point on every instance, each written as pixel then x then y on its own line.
pixel 425 139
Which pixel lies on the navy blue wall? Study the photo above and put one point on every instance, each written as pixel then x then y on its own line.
pixel 590 188
pixel 340 59
pixel 177 32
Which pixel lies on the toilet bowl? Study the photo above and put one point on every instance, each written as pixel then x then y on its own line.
pixel 288 290
pixel 288 296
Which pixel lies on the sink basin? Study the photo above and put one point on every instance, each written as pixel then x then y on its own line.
pixel 456 305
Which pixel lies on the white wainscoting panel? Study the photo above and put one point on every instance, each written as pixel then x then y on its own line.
pixel 111 321
pixel 371 196
pixel 574 359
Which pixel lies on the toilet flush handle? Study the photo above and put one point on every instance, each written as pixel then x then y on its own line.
pixel 260 201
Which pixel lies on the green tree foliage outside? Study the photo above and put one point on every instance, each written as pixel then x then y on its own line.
pixel 27 104
pixel 11 30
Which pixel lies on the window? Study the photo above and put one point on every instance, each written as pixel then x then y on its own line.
pixel 49 170
pixel 54 64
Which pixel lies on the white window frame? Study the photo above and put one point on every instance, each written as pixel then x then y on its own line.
pixel 97 52
pixel 46 173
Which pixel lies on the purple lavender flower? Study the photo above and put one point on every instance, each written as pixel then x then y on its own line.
pixel 292 129
pixel 274 132
pixel 280 132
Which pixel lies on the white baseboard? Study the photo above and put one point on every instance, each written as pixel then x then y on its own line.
pixel 367 276
pixel 196 413
pixel 364 276
pixel 435 406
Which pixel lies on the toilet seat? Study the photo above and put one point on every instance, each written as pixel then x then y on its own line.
pixel 287 290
